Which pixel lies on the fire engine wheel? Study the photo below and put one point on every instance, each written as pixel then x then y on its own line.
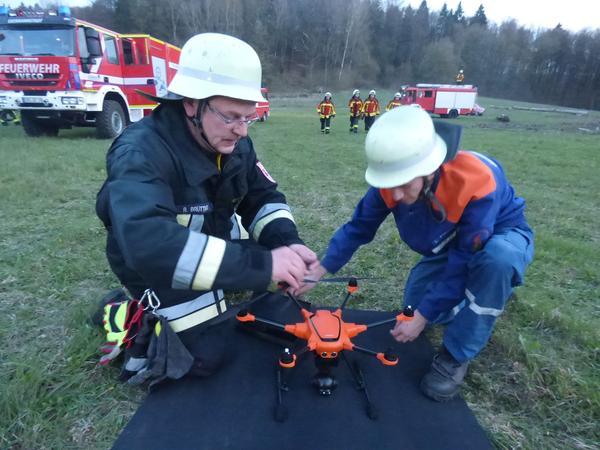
pixel 35 128
pixel 110 122
pixel 453 114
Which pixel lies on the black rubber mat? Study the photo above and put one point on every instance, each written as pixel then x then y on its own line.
pixel 234 409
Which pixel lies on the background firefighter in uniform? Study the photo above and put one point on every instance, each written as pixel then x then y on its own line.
pixel 176 180
pixel 458 210
pixel 395 102
pixel 460 77
pixel 370 110
pixel 355 105
pixel 326 111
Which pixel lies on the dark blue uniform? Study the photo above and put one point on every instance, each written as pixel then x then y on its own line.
pixel 169 208
pixel 472 259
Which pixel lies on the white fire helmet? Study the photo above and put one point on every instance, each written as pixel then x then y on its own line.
pixel 397 94
pixel 372 92
pixel 355 92
pixel 328 94
pixel 401 146
pixel 217 64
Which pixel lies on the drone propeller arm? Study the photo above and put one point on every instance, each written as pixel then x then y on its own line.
pixel 245 316
pixel 404 316
pixel 387 358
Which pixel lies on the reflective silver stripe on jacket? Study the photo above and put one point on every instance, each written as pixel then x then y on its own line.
pixel 235 228
pixel 443 244
pixel 266 215
pixel 199 262
pixel 192 221
pixel 194 312
pixel 183 309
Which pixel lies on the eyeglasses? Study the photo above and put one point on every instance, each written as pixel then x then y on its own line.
pixel 229 120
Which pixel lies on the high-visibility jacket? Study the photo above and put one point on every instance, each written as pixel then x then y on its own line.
pixel 393 104
pixel 326 109
pixel 371 107
pixel 169 209
pixel 355 105
pixel 479 202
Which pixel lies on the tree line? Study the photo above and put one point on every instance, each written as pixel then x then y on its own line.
pixel 341 44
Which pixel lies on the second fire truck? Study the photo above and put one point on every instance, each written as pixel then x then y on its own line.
pixel 447 100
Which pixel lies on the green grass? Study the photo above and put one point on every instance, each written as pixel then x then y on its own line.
pixel 536 385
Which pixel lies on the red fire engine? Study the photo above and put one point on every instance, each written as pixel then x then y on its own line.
pixel 263 109
pixel 62 72
pixel 447 100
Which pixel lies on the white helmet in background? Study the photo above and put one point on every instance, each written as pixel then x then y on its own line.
pixel 328 94
pixel 372 92
pixel 217 64
pixel 397 94
pixel 355 92
pixel 401 146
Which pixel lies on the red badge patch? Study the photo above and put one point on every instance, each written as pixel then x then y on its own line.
pixel 264 172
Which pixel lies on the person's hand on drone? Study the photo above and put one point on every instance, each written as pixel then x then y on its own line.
pixel 308 256
pixel 409 330
pixel 315 273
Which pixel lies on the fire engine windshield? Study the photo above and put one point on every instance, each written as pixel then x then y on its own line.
pixel 21 41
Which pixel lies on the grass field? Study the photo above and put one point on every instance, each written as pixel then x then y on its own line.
pixel 536 385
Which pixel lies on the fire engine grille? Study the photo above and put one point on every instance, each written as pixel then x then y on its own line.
pixel 33 83
pixel 50 79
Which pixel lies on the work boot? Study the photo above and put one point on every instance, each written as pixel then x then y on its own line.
pixel 443 380
pixel 327 131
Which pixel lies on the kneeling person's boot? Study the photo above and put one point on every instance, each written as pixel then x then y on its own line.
pixel 443 380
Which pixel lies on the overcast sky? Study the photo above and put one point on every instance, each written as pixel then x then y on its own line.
pixel 574 15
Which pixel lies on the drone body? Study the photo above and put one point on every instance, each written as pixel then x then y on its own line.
pixel 327 336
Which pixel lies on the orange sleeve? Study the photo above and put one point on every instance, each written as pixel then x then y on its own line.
pixel 464 179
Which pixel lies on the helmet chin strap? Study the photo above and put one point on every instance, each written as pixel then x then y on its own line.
pixel 440 215
pixel 196 120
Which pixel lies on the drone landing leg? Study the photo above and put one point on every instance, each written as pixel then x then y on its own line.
pixel 361 385
pixel 281 412
pixel 287 362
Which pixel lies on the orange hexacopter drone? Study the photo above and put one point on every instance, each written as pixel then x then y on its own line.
pixel 327 335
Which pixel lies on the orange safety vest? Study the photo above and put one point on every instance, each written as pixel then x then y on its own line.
pixel 355 105
pixel 371 107
pixel 325 109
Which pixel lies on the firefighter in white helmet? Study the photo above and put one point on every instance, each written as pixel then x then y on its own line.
pixel 395 102
pixel 355 105
pixel 460 77
pixel 370 109
pixel 326 110
pixel 178 182
pixel 459 211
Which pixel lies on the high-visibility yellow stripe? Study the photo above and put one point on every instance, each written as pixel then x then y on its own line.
pixel 262 223
pixel 209 264
pixel 196 318
pixel 184 219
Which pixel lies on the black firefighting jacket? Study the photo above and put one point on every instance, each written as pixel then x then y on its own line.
pixel 169 212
